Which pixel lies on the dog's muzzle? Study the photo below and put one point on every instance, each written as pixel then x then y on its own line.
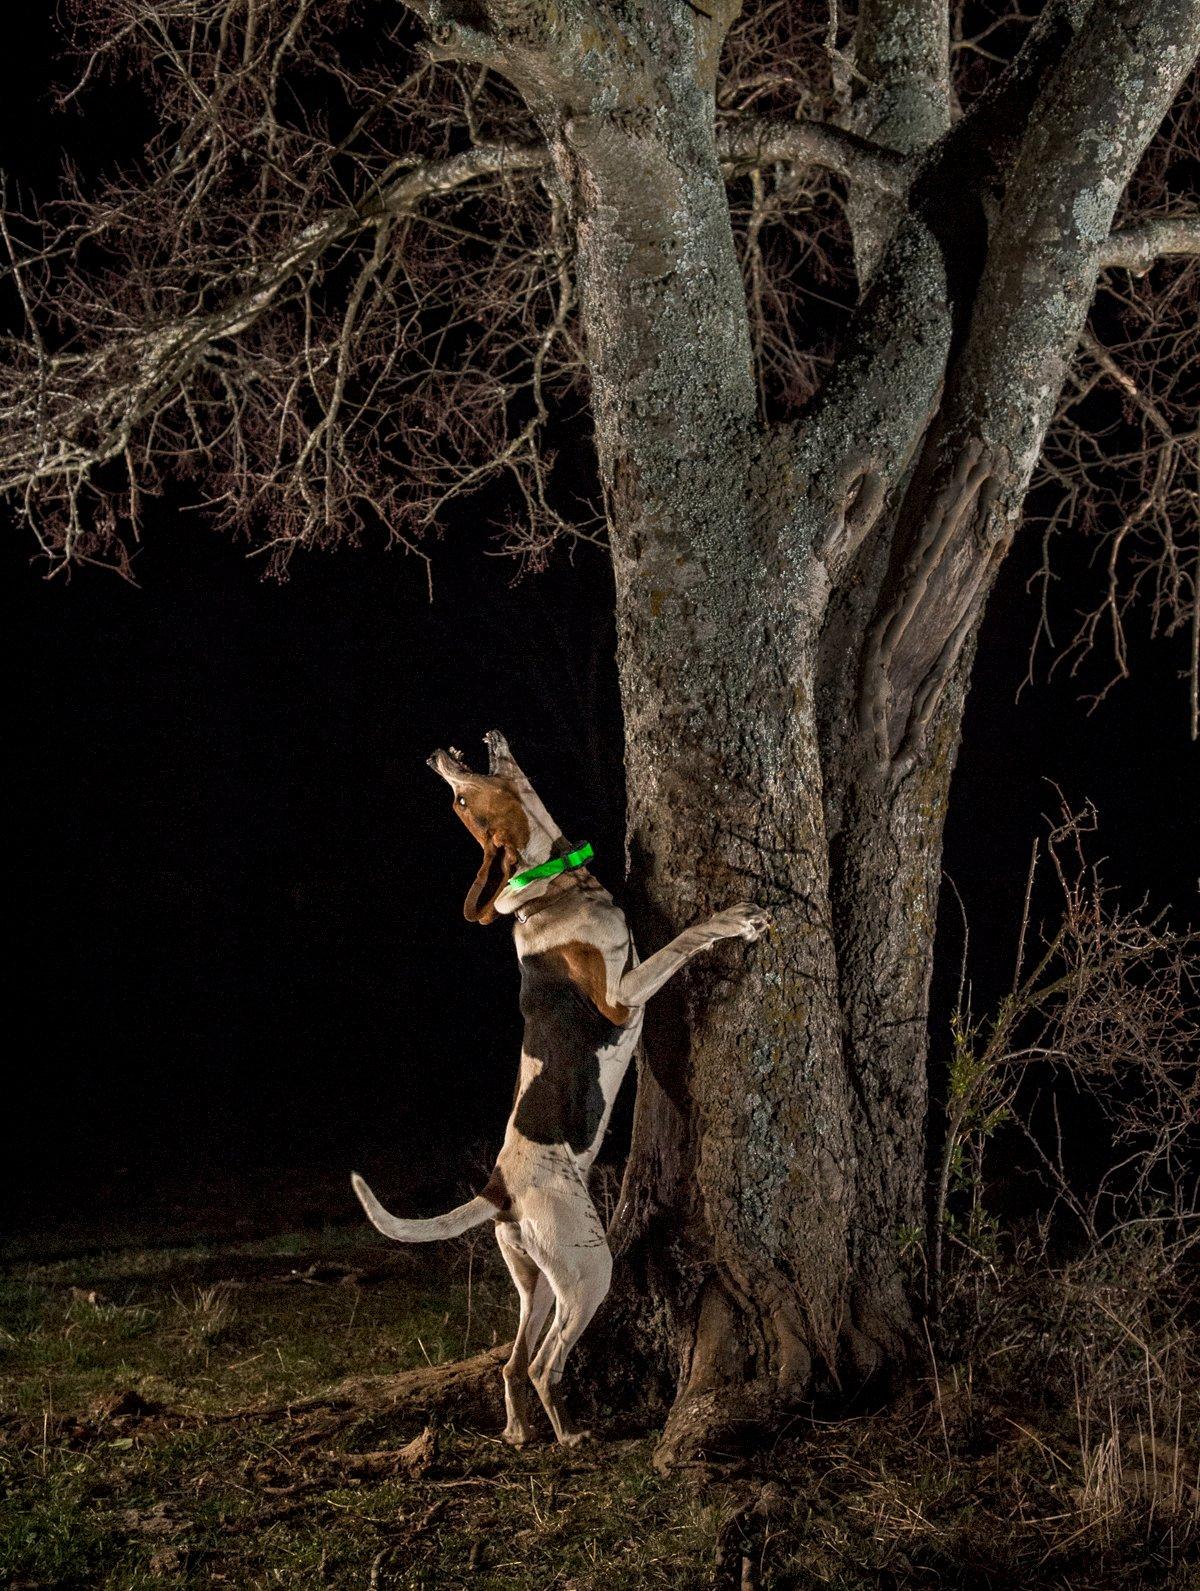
pixel 449 764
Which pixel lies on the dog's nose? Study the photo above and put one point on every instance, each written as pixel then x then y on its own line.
pixel 448 764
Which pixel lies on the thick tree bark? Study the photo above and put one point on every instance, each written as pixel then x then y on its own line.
pixel 796 616
pixel 900 98
pixel 887 780
pixel 723 771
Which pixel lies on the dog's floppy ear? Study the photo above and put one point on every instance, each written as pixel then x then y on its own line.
pixel 500 862
pixel 471 907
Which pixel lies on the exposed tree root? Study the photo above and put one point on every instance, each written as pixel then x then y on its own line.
pixel 718 1426
pixel 466 1386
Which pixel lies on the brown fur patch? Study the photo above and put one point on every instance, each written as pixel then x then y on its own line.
pixel 493 811
pixel 495 816
pixel 585 965
pixel 496 1192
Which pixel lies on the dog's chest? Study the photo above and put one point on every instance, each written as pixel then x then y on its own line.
pixel 566 1101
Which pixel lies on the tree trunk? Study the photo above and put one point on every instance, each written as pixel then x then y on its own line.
pixel 743 1129
pixel 745 1268
pixel 796 612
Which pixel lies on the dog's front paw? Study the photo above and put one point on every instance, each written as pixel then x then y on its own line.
pixel 745 921
pixel 499 753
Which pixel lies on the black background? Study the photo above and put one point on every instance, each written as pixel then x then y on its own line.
pixel 238 964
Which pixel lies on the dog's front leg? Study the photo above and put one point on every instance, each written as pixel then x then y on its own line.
pixel 744 921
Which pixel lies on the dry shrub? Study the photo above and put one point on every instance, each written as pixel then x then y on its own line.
pixel 206 1316
pixel 1082 1307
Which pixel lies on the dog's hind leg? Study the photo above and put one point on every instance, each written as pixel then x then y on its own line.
pixel 536 1296
pixel 580 1278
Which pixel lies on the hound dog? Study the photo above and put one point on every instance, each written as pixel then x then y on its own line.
pixel 583 996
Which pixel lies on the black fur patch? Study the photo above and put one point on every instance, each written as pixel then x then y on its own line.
pixel 563 1029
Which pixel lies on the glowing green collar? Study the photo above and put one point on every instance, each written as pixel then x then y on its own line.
pixel 552 868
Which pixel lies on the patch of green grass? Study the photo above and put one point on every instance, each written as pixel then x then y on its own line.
pixel 155 1431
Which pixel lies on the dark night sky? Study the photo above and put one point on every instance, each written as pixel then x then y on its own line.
pixel 237 886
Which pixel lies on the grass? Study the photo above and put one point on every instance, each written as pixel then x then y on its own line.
pixel 120 1465
pixel 155 1432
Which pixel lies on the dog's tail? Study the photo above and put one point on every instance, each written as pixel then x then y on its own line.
pixel 474 1213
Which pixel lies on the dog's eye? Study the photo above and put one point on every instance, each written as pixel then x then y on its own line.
pixel 462 801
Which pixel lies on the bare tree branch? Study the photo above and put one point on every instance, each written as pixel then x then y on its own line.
pixel 91 400
pixel 69 413
pixel 156 360
pixel 1119 468
pixel 1136 245
pixel 750 142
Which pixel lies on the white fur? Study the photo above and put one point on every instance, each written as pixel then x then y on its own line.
pixel 551 1236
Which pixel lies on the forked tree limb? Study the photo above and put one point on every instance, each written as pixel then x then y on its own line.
pixel 1084 140
pixel 868 422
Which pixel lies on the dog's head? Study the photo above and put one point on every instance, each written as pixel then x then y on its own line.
pixel 503 812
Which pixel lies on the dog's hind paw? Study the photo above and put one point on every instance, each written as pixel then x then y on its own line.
pixel 574 1438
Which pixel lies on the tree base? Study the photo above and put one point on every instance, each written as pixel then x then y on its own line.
pixel 718 1427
